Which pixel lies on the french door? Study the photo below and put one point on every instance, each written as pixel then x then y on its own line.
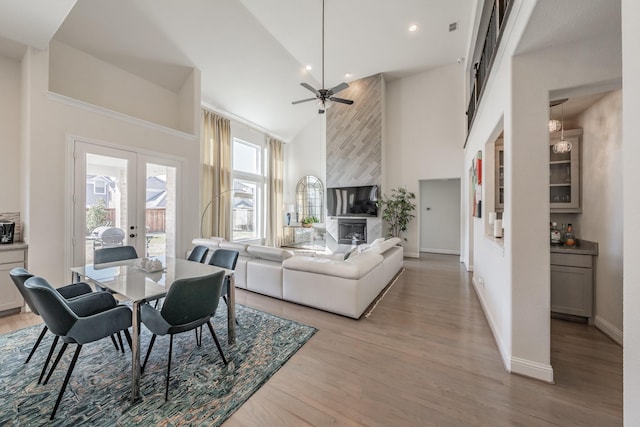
pixel 123 197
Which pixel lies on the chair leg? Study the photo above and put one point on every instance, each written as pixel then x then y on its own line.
pixel 198 336
pixel 128 337
pixel 153 340
pixel 215 338
pixel 66 380
pixel 33 350
pixel 55 363
pixel 115 344
pixel 166 389
pixel 46 363
pixel 120 341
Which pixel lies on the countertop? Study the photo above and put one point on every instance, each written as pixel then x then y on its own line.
pixel 13 246
pixel 584 247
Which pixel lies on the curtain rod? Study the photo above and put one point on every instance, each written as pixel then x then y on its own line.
pixel 242 121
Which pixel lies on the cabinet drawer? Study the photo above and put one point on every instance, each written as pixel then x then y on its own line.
pixel 572 260
pixel 7 257
pixel 572 290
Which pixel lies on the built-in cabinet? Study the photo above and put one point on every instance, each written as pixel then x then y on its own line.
pixel 572 279
pixel 564 174
pixel 11 256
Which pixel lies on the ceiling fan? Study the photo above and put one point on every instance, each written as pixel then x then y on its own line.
pixel 324 95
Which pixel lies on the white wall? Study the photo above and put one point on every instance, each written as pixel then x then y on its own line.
pixel 10 156
pixel 81 76
pixel 48 125
pixel 516 283
pixel 305 155
pixel 601 218
pixel 425 124
pixel 631 208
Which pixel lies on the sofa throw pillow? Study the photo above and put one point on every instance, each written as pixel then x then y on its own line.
pixel 363 248
pixel 349 254
pixel 377 242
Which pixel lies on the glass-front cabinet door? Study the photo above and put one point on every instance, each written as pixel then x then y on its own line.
pixel 564 174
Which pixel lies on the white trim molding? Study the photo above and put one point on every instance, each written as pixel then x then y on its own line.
pixel 502 349
pixel 118 116
pixel 609 330
pixel 440 251
pixel 539 371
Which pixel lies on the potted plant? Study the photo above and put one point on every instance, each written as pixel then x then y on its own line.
pixel 397 210
pixel 308 221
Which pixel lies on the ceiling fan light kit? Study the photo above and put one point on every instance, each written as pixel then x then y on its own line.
pixel 324 96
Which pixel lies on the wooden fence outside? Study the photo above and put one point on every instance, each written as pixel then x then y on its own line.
pixel 155 219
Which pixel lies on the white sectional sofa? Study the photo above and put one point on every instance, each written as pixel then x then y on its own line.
pixel 332 283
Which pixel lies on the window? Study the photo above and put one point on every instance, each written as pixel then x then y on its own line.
pixel 248 183
pixel 99 187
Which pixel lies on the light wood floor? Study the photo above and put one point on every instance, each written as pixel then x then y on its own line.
pixel 426 357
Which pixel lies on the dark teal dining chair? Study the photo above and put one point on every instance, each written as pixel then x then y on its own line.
pixel 116 253
pixel 198 254
pixel 80 297
pixel 190 303
pixel 74 328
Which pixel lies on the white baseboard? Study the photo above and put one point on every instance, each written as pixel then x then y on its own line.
pixel 609 330
pixel 412 255
pixel 440 251
pixel 502 349
pixel 539 371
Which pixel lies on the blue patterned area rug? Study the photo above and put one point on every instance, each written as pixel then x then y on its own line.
pixel 202 390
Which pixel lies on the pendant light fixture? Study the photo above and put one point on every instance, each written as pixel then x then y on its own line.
pixel 562 146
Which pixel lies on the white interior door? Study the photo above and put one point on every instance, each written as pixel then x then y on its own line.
pixel 440 216
pixel 123 198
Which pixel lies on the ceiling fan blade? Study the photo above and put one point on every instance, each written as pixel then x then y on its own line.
pixel 308 86
pixel 336 89
pixel 341 100
pixel 304 100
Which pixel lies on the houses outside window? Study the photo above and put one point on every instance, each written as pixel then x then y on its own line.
pixel 248 197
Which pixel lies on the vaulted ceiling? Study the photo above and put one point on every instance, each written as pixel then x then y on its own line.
pixel 252 54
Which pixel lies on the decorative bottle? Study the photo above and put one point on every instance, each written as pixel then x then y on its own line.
pixel 569 237
pixel 556 236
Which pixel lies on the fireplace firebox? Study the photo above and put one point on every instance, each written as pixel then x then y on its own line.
pixel 352 231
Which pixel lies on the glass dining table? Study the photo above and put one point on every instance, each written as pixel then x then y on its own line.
pixel 139 285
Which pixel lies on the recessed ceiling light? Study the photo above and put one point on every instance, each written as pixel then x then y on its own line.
pixel 308 68
pixel 413 27
pixel 348 75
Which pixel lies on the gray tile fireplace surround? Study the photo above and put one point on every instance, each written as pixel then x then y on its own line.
pixel 373 230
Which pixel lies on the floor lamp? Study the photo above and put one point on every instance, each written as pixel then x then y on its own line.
pixel 204 211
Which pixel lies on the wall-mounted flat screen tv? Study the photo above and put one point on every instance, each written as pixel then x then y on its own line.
pixel 352 201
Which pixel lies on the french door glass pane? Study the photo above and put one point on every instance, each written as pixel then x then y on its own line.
pixel 106 203
pixel 160 210
pixel 245 208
